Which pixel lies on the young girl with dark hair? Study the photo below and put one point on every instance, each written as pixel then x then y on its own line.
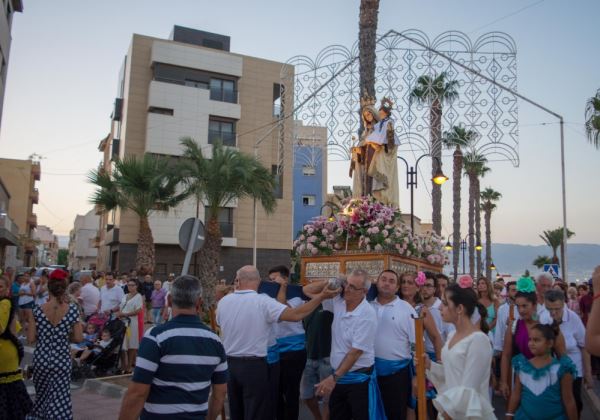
pixel 543 383
pixel 462 381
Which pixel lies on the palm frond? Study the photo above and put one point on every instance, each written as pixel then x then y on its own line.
pixel 592 120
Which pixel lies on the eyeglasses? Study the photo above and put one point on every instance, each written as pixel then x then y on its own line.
pixel 348 286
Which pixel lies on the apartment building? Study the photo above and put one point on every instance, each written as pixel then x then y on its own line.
pixel 47 245
pixel 9 231
pixel 192 85
pixel 83 251
pixel 9 7
pixel 19 178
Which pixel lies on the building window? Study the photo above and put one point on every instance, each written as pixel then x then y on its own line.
pixel 278 191
pixel 159 110
pixel 226 221
pixel 223 90
pixel 309 200
pixel 160 269
pixel 196 83
pixel 277 104
pixel 223 130
pixel 308 170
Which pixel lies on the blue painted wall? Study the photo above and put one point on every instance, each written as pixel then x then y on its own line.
pixel 307 185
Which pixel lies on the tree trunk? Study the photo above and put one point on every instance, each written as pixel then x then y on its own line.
pixel 144 260
pixel 436 152
pixel 367 39
pixel 472 192
pixel 478 224
pixel 488 239
pixel 209 260
pixel 457 175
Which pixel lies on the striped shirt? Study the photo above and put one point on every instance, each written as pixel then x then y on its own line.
pixel 179 360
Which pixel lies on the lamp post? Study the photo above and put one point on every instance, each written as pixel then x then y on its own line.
pixel 411 182
pixel 463 248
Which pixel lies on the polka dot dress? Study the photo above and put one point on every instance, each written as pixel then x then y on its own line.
pixel 52 366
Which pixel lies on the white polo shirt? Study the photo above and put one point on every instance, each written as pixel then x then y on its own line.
pixel 246 318
pixel 573 330
pixel 395 329
pixel 354 329
pixel 286 328
pixel 90 296
pixel 110 298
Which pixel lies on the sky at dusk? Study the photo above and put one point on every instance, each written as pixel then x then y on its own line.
pixel 66 55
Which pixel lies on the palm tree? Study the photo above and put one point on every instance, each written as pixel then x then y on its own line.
pixel 554 239
pixel 367 39
pixel 592 119
pixel 542 260
pixel 457 138
pixel 434 91
pixel 474 169
pixel 217 181
pixel 489 197
pixel 143 185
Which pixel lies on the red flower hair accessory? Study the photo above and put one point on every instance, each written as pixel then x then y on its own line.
pixel 465 281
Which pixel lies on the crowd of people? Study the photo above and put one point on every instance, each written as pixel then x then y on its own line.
pixel 343 347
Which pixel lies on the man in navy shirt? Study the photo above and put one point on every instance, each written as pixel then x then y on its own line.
pixel 178 363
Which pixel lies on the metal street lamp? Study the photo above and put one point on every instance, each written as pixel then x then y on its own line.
pixel 411 181
pixel 463 247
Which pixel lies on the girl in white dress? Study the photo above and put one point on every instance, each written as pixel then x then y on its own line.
pixel 131 305
pixel 463 377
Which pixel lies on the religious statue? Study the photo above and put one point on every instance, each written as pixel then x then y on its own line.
pixel 374 166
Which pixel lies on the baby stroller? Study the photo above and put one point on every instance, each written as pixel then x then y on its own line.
pixel 107 361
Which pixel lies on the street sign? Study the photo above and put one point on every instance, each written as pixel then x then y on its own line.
pixel 186 230
pixel 552 269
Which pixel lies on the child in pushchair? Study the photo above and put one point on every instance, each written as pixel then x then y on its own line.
pixel 103 358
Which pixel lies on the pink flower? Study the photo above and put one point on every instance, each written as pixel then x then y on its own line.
pixel 324 231
pixel 302 237
pixel 420 280
pixel 385 233
pixel 378 247
pixel 398 247
pixel 314 251
pixel 375 230
pixel 387 241
pixel 310 231
pixel 465 281
pixel 323 244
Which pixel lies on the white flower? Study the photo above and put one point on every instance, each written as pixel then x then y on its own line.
pixel 314 251
pixel 378 247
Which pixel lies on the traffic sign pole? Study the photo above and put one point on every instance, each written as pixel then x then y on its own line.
pixel 190 247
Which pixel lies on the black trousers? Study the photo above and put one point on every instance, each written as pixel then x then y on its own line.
pixel 349 401
pixel 248 388
pixel 395 392
pixel 291 367
pixel 577 395
pixel 274 372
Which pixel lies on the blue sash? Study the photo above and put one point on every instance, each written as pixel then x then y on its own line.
pixel 385 367
pixel 273 354
pixel 291 343
pixel 376 410
pixel 431 393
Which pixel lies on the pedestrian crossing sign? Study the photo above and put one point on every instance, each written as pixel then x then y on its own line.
pixel 552 269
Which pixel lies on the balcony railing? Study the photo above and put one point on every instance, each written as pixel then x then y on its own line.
pixel 8 230
pixel 227 138
pixel 32 220
pixel 221 95
pixel 35 196
pixel 118 109
pixel 36 171
pixel 226 229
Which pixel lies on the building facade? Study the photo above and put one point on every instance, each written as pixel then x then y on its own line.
pixel 9 7
pixel 83 251
pixel 47 246
pixel 9 232
pixel 310 173
pixel 192 85
pixel 19 178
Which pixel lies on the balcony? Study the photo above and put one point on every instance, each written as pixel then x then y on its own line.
pixel 8 230
pixel 29 247
pixel 118 110
pixel 35 196
pixel 116 148
pixel 32 220
pixel 227 138
pixel 36 170
pixel 95 242
pixel 226 229
pixel 222 95
pixel 112 236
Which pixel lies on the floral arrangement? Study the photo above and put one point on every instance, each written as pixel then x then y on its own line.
pixel 465 282
pixel 367 225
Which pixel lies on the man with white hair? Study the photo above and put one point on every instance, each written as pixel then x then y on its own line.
pixel 90 295
pixel 352 348
pixel 543 282
pixel 246 319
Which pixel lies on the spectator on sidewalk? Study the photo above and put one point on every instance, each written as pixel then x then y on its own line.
pixel 157 301
pixel 111 296
pixel 185 352
pixel 89 296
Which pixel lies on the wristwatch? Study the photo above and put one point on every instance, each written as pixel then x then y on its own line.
pixel 335 377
